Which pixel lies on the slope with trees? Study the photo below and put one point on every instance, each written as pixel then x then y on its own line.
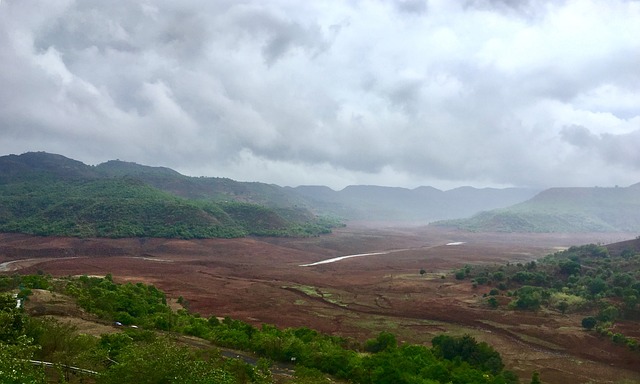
pixel 602 283
pixel 419 205
pixel 46 194
pixel 563 210
pixel 147 353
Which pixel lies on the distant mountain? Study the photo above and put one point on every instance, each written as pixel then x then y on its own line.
pixel 210 188
pixel 563 210
pixel 419 205
pixel 46 194
pixel 43 165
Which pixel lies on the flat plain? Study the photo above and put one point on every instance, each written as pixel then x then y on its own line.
pixel 265 280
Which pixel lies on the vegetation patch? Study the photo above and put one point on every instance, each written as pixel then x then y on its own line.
pixel 61 197
pixel 142 355
pixel 588 279
pixel 562 210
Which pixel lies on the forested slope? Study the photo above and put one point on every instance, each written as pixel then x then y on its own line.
pixel 142 351
pixel 563 210
pixel 600 282
pixel 46 194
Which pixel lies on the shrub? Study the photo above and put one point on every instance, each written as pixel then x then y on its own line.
pixel 589 322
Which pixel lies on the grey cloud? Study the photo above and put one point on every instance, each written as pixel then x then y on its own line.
pixel 411 6
pixel 280 35
pixel 613 149
pixel 525 9
pixel 90 24
pixel 405 94
pixel 579 136
pixel 353 89
pixel 622 149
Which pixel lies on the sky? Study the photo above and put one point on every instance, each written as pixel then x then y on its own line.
pixel 486 93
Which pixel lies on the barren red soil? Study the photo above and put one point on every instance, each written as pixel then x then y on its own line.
pixel 260 280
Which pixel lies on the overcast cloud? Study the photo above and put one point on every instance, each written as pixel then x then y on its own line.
pixel 399 93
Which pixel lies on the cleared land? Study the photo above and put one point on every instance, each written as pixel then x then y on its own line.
pixel 261 280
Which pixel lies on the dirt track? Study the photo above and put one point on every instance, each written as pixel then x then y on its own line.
pixel 261 281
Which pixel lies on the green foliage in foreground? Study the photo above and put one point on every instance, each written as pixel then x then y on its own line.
pixel 141 355
pixel 124 207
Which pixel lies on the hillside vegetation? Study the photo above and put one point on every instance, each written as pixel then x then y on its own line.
pixel 45 194
pixel 371 203
pixel 141 351
pixel 600 282
pixel 33 183
pixel 563 210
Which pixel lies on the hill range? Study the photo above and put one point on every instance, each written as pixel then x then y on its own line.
pixel 49 194
pixel 594 209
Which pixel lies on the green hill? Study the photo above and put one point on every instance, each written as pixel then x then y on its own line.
pixel 210 188
pixel 151 343
pixel 45 194
pixel 563 210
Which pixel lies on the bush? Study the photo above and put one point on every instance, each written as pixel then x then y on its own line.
pixel 383 342
pixel 467 349
pixel 589 322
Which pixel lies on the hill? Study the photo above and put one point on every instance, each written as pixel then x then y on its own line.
pixel 356 202
pixel 210 188
pixel 149 342
pixel 563 210
pixel 292 209
pixel 46 194
pixel 419 205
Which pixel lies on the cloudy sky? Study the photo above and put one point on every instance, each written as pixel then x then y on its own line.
pixel 398 93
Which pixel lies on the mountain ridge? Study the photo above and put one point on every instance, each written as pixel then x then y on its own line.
pixel 558 209
pixel 420 205
pixel 47 194
pixel 563 209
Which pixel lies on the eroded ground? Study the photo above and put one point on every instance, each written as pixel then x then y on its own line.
pixel 261 281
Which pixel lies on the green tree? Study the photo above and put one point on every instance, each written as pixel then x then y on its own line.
pixel 597 285
pixel 15 367
pixel 162 362
pixel 383 342
pixel 630 302
pixel 467 349
pixel 61 343
pixel 529 298
pixel 570 267
pixel 535 378
pixel 610 313
pixel 589 322
pixel 12 320
pixel 563 306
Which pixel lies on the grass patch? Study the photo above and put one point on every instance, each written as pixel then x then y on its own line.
pixel 522 336
pixel 306 289
pixel 315 292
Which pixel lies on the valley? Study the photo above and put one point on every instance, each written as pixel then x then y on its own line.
pixel 262 280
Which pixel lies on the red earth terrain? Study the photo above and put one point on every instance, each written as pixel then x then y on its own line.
pixel 262 280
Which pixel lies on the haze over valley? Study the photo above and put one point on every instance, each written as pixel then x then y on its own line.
pixel 363 192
